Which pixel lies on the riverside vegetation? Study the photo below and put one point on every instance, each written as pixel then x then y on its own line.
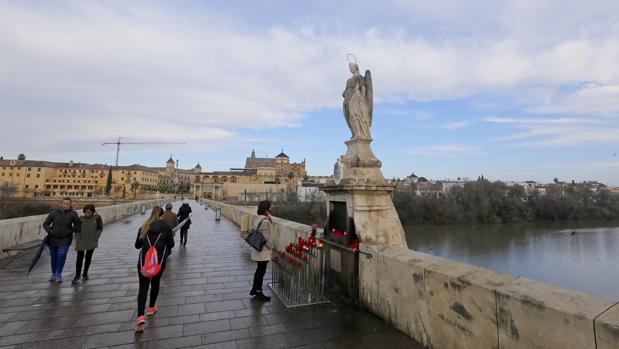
pixel 481 201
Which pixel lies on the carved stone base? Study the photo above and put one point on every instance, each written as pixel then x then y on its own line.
pixel 359 165
pixel 371 208
pixel 359 154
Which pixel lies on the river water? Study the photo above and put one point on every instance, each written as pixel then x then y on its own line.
pixel 582 256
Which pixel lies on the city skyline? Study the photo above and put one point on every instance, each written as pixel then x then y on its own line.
pixel 460 90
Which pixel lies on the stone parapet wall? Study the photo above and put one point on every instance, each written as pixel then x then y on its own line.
pixel 17 231
pixel 446 304
pixel 284 231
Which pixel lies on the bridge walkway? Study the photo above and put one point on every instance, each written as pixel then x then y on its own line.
pixel 203 303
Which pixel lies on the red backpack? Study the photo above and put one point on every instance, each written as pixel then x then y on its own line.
pixel 150 266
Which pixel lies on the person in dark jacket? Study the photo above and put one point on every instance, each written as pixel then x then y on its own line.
pixel 183 213
pixel 154 232
pixel 169 216
pixel 60 225
pixel 91 226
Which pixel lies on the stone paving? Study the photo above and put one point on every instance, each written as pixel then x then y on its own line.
pixel 203 303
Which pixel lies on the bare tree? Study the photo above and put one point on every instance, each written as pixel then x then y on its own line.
pixel 6 189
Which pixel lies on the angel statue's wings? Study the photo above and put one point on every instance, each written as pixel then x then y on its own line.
pixel 369 93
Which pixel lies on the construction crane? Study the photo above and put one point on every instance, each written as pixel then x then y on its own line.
pixel 118 143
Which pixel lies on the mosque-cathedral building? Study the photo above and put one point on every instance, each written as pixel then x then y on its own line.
pixel 33 178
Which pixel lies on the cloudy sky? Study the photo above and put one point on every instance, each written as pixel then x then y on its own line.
pixel 513 90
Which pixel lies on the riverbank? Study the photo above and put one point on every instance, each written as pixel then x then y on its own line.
pixel 575 255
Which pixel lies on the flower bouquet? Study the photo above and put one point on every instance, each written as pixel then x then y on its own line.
pixel 298 276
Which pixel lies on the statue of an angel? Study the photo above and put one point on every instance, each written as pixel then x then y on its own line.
pixel 358 103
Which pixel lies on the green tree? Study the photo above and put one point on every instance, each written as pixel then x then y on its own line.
pixel 108 183
pixel 21 157
pixel 134 187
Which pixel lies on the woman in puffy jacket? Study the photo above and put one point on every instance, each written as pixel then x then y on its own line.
pixel 86 240
pixel 60 225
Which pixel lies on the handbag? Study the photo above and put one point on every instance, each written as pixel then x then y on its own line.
pixel 255 238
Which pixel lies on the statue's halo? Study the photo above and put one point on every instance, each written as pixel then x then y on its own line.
pixel 351 58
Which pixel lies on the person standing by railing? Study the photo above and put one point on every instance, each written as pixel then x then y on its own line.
pixel 91 226
pixel 60 225
pixel 262 257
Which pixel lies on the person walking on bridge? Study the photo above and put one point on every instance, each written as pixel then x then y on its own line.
pixel 169 216
pixel 86 240
pixel 262 257
pixel 183 213
pixel 155 242
pixel 60 225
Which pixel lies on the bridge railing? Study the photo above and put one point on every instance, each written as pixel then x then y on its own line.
pixel 445 304
pixel 16 231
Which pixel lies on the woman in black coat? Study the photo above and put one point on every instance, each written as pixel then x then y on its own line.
pixel 60 225
pixel 154 232
pixel 183 213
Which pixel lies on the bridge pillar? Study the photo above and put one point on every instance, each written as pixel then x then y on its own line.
pixel 359 199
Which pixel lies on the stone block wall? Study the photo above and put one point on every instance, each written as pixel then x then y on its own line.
pixel 284 231
pixel 17 231
pixel 445 304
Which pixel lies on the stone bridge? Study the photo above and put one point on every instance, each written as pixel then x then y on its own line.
pixel 406 298
pixel 204 301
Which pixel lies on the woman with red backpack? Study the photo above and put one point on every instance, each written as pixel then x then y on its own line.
pixel 155 241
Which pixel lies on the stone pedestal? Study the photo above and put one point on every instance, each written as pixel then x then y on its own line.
pixel 370 210
pixel 359 184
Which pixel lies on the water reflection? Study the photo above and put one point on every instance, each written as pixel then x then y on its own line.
pixel 582 256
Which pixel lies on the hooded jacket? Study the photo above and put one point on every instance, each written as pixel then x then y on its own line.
pixel 90 231
pixel 169 217
pixel 183 213
pixel 60 225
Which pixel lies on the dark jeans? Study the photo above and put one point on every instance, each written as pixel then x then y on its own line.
pixel 184 235
pixel 154 289
pixel 261 269
pixel 80 259
pixel 58 255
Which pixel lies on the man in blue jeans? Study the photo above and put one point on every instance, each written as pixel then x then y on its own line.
pixel 60 225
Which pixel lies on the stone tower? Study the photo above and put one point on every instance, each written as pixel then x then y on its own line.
pixel 169 166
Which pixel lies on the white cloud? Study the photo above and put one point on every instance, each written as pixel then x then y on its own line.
pixel 419 115
pixel 548 136
pixel 606 165
pixel 457 124
pixel 592 99
pixel 540 120
pixel 445 150
pixel 142 71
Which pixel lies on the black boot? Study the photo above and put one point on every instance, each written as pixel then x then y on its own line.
pixel 261 296
pixel 252 292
